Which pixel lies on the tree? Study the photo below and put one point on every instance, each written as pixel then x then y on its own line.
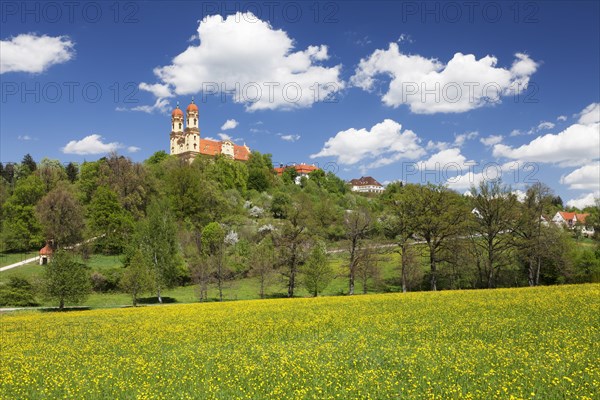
pixel 157 237
pixel 399 223
pixel 72 172
pixel 439 216
pixel 292 239
pixel 29 163
pixel 137 277
pixel 367 267
pixel 109 221
pixel 357 225
pixel 51 172
pixel 493 219
pixel 317 273
pixel 530 228
pixel 66 280
pixel 61 216
pixel 262 263
pixel 213 244
pixel 21 227
pixel 260 171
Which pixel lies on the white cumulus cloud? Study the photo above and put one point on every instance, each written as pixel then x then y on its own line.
pixel 229 124
pixel 583 201
pixel 586 177
pixel 429 86
pixel 91 144
pixel 258 64
pixel 590 115
pixel 576 145
pixel 290 138
pixel 491 140
pixel 31 53
pixel 383 144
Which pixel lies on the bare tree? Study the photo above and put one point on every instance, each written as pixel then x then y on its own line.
pixel 493 219
pixel 357 224
pixel 262 263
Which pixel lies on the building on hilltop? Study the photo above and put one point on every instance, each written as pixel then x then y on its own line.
pixel 302 170
pixel 366 184
pixel 187 144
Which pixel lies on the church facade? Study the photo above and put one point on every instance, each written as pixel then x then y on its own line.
pixel 186 142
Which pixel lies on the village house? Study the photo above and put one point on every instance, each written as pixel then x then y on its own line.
pixel 302 170
pixel 366 184
pixel 573 220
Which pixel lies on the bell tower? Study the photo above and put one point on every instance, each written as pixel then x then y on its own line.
pixel 177 139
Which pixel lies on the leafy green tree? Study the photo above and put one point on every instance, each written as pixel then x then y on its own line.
pixel 317 273
pixel 228 173
pixel 18 292
pixel 157 237
pixel 72 172
pixel 89 174
pixel 61 216
pixel 66 280
pixel 213 243
pixel 399 221
pixel 280 204
pixel 289 175
pixel 137 277
pixel 260 172
pixel 128 180
pixel 109 221
pixel 440 215
pixel 51 172
pixel 29 163
pixel 21 227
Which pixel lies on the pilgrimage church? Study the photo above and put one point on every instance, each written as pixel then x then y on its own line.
pixel 186 141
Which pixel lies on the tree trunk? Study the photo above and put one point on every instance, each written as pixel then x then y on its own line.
pixel 292 280
pixel 352 266
pixel 61 305
pixel 537 272
pixel 158 295
pixel 433 269
pixel 530 273
pixel 262 286
pixel 404 261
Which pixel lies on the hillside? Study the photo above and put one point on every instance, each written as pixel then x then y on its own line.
pixel 505 343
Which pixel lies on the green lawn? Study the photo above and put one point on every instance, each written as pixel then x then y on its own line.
pixel 11 258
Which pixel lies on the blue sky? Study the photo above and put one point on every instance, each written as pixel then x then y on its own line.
pixel 387 72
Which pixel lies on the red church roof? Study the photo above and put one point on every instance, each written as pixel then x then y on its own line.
pixel 213 147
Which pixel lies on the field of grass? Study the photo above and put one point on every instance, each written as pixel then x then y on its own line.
pixel 11 258
pixel 489 344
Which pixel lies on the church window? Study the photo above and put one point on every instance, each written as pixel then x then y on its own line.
pixel 180 125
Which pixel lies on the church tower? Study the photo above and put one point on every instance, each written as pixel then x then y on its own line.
pixel 177 136
pixel 192 132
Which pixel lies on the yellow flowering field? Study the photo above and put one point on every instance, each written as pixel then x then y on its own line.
pixel 526 343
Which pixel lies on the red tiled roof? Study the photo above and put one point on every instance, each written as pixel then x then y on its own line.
pixel 213 147
pixel 365 181
pixel 46 250
pixel 300 168
pixel 568 216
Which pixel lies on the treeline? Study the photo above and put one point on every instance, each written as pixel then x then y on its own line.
pixel 217 220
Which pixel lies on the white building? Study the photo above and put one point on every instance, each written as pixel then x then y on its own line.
pixel 573 220
pixel 366 184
